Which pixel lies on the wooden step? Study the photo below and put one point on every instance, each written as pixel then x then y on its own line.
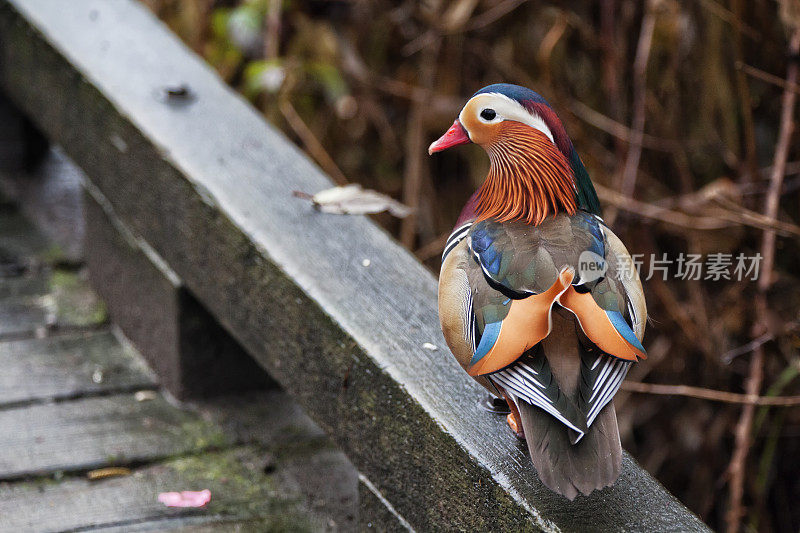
pixel 68 366
pixel 39 440
pixel 240 493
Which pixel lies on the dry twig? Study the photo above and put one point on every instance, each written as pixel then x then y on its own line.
pixel 415 152
pixel 639 100
pixel 312 144
pixel 611 60
pixel 734 215
pixel 736 467
pixel 732 19
pixel 656 212
pixel 492 14
pixel 754 344
pixel 745 102
pixel 272 35
pixel 549 42
pixel 432 248
pixel 618 130
pixel 710 394
pixel 767 77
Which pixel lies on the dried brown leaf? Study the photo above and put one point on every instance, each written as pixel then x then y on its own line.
pixel 112 471
pixel 352 199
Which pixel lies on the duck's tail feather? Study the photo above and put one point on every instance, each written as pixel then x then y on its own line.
pixel 568 469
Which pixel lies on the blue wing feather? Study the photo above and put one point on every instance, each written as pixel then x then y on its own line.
pixel 489 337
pixel 624 329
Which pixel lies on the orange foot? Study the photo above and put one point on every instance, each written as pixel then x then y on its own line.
pixel 513 418
pixel 515 425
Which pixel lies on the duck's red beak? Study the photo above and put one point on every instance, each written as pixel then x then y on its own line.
pixel 453 137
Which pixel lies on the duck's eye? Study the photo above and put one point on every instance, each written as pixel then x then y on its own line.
pixel 488 114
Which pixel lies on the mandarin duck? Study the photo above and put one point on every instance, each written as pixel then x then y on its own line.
pixel 538 300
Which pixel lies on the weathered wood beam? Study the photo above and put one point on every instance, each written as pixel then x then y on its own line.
pixel 21 145
pixel 75 436
pixel 207 183
pixel 192 354
pixel 61 367
pixel 50 195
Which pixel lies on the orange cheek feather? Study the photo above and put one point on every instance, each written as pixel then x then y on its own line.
pixel 595 324
pixel 480 133
pixel 527 323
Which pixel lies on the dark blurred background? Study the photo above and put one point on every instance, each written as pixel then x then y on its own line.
pixel 683 115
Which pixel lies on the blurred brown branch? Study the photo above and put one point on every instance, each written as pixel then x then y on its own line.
pixel 628 181
pixel 721 218
pixel 731 18
pixel 620 131
pixel 272 35
pixel 736 468
pixel 767 77
pixel 432 248
pixel 415 152
pixel 709 394
pixel 312 144
pixel 500 9
pixel 745 101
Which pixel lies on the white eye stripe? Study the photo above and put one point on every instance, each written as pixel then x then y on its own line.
pixel 508 109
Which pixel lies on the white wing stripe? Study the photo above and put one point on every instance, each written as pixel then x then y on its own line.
pixel 609 390
pixel 520 381
pixel 613 385
pixel 524 386
pixel 545 406
pixel 529 369
pixel 470 322
pixel 595 410
pixel 526 374
pixel 608 367
pixel 455 237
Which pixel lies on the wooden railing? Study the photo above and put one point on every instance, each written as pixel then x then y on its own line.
pixel 197 187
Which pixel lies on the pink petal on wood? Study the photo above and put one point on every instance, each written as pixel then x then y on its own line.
pixel 186 498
